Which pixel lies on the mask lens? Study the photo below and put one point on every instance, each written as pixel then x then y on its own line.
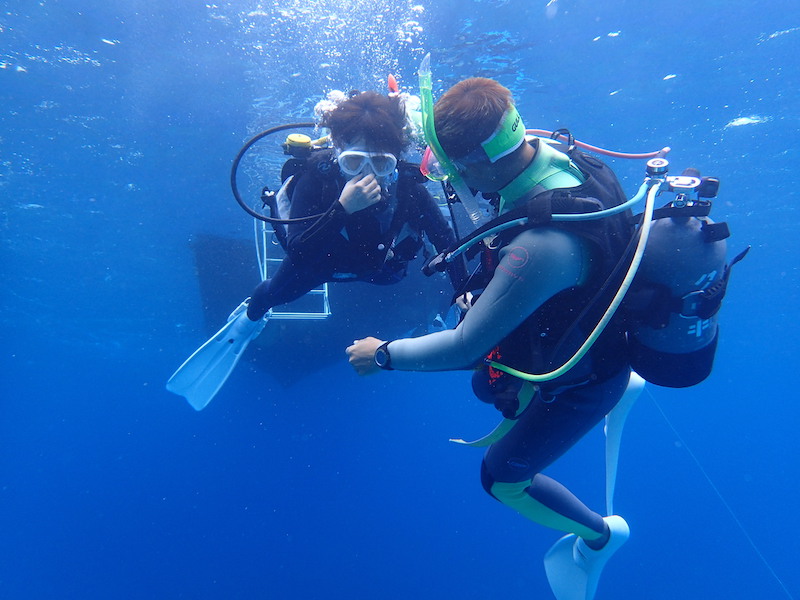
pixel 383 164
pixel 351 162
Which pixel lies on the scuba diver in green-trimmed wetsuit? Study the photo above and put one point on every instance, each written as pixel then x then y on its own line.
pixel 535 282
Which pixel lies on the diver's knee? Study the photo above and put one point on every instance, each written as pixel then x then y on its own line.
pixel 506 492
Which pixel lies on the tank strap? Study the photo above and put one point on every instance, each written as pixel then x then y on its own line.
pixel 698 209
pixel 654 304
pixel 705 303
pixel 714 232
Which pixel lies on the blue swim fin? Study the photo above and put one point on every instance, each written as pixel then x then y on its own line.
pixel 573 569
pixel 615 422
pixel 202 375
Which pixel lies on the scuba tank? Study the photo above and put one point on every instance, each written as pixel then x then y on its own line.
pixel 675 298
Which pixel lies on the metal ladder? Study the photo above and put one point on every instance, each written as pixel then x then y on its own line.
pixel 269 255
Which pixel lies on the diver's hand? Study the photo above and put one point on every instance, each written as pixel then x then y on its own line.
pixel 362 355
pixel 361 192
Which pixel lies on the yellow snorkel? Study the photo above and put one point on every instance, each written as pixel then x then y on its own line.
pixel 469 201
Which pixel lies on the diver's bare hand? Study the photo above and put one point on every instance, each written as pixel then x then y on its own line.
pixel 361 192
pixel 362 355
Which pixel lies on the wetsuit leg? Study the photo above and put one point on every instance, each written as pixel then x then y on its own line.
pixel 511 471
pixel 289 283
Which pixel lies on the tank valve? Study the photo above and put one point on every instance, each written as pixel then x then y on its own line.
pixel 297 144
pixel 657 167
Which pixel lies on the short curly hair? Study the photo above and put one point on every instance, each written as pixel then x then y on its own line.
pixel 378 120
pixel 468 113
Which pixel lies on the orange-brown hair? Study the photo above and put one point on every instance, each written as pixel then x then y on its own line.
pixel 468 113
pixel 379 120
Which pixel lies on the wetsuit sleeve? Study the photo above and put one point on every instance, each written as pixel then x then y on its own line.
pixel 313 196
pixel 439 232
pixel 535 266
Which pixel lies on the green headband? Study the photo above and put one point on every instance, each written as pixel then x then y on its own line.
pixel 509 135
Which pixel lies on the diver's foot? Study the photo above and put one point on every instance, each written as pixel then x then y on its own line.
pixel 601 541
pixel 239 310
pixel 573 568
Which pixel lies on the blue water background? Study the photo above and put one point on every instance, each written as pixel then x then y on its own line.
pixel 118 122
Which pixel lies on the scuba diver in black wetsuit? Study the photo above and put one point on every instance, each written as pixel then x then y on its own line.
pixel 374 212
pixel 377 208
pixel 542 289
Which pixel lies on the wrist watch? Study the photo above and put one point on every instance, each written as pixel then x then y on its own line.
pixel 382 357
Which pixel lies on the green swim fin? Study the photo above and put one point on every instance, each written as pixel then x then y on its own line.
pixel 202 375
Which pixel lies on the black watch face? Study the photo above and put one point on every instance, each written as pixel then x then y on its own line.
pixel 381 357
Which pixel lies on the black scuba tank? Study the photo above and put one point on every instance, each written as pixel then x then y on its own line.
pixel 673 327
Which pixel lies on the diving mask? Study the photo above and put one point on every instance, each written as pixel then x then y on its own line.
pixel 430 166
pixel 353 162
